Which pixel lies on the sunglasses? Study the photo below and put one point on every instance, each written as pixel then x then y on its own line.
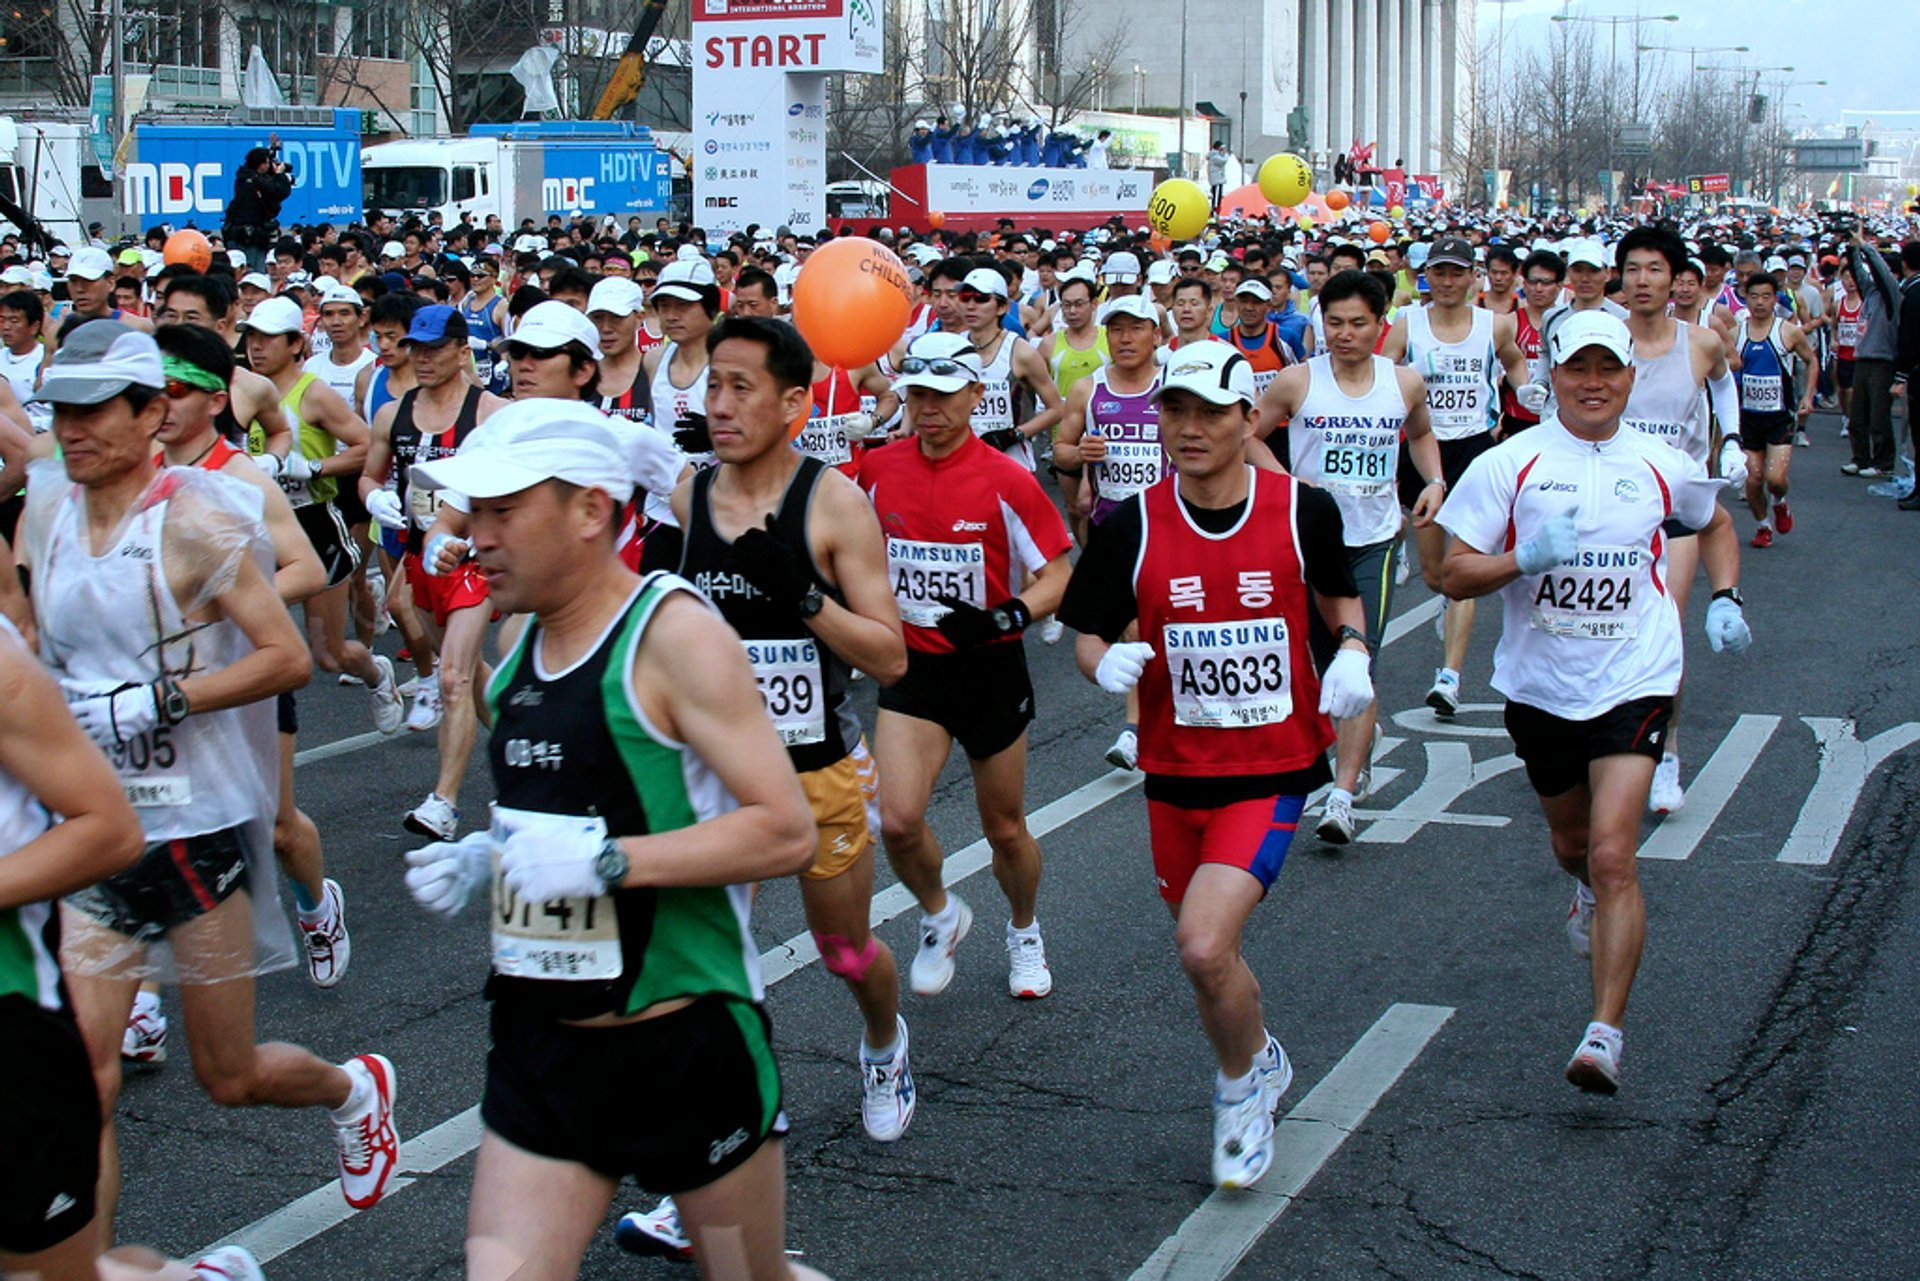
pixel 177 390
pixel 521 351
pixel 938 366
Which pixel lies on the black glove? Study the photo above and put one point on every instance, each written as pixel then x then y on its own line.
pixel 775 569
pixel 692 435
pixel 1001 438
pixel 969 625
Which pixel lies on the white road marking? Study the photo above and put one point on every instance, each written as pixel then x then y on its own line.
pixel 1845 765
pixel 1711 789
pixel 1216 1237
pixel 1451 772
pixel 1408 619
pixel 340 747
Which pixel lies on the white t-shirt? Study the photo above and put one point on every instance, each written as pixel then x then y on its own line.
pixel 1585 637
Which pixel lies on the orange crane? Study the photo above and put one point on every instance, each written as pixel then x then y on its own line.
pixel 631 71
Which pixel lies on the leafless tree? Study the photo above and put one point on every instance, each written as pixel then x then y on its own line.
pixel 1079 43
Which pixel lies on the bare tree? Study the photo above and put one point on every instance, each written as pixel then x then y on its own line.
pixel 61 44
pixel 972 55
pixel 1077 54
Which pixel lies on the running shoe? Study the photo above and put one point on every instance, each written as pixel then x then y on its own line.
pixel 426 705
pixel 1782 518
pixel 435 817
pixel 1444 697
pixel 1869 473
pixel 1336 821
pixel 410 686
pixel 1848 468
pixel 328 947
pixel 1800 439
pixel 389 709
pixel 1242 1140
pixel 1763 536
pixel 1051 630
pixel 229 1263
pixel 145 1040
pixel 1125 752
pixel 1402 569
pixel 1275 1075
pixel 1595 1066
pixel 887 1097
pixel 1027 974
pixel 655 1235
pixel 348 678
pixel 369 1145
pixel 933 963
pixel 1580 925
pixel 1666 796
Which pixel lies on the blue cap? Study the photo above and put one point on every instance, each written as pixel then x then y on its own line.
pixel 396 282
pixel 437 324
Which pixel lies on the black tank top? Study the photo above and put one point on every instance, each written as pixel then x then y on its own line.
pixel 634 404
pixel 803 682
pixel 410 447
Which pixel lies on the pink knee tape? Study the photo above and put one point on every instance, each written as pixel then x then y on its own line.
pixel 842 958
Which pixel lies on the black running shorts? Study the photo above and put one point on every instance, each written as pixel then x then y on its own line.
pixel 49 1128
pixel 326 529
pixel 1557 751
pixel 1455 456
pixel 983 697
pixel 174 882
pixel 675 1101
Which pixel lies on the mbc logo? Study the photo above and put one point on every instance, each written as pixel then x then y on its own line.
pixel 174 188
pixel 566 193
pixel 720 202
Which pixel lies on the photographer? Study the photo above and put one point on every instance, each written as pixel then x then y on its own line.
pixel 259 189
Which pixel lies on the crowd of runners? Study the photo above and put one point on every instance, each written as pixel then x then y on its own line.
pixel 622 518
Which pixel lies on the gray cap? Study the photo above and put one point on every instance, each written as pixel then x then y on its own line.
pixel 99 360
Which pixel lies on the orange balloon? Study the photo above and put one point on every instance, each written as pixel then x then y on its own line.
pixel 1159 243
pixel 1379 233
pixel 190 248
pixel 852 301
pixel 936 219
pixel 797 426
pixel 1337 200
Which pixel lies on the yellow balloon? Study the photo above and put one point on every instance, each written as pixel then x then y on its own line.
pixel 1397 212
pixel 1179 209
pixel 1913 189
pixel 1285 179
pixel 1305 221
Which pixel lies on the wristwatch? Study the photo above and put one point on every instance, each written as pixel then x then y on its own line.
pixel 611 864
pixel 170 701
pixel 1732 594
pixel 1438 480
pixel 812 602
pixel 1346 634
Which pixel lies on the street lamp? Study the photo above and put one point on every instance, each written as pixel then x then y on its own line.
pixel 1693 51
pixel 1614 22
pixel 1500 95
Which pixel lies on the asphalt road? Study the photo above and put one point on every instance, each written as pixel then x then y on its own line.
pixel 1420 981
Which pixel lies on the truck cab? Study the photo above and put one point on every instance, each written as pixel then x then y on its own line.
pixel 458 178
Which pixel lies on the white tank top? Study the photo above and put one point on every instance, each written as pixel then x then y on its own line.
pixel 995 410
pixel 672 402
pixel 19 371
pixel 1350 447
pixel 340 377
pixel 1666 402
pixel 1459 375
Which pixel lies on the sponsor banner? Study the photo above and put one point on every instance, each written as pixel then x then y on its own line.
pixel 1710 184
pixel 180 174
pixel 1023 194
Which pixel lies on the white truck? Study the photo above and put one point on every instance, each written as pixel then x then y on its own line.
pixel 565 167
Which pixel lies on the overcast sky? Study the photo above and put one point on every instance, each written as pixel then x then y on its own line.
pixel 1867 61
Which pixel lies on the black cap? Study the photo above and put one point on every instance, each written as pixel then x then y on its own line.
pixel 1451 249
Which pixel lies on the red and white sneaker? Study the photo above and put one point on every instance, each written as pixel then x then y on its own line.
pixel 145 1040
pixel 1763 536
pixel 1782 518
pixel 229 1263
pixel 369 1145
pixel 328 946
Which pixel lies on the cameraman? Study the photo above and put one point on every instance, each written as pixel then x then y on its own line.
pixel 259 189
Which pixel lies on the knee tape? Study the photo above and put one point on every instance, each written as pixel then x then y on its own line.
pixel 842 958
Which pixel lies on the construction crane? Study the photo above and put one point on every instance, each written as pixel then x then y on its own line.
pixel 631 71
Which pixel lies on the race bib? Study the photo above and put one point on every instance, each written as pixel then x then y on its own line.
pixel 423 505
pixel 826 439
pixel 1229 675
pixel 1592 597
pixel 788 673
pixel 299 492
pixel 1262 379
pixel 150 769
pixel 1671 433
pixel 923 572
pixel 568 939
pixel 1130 467
pixel 995 410
pixel 1760 392
pixel 1360 471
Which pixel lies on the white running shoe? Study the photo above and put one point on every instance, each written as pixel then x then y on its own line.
pixel 328 946
pixel 1336 821
pixel 410 686
pixel 1666 795
pixel 1027 974
pixel 1402 568
pixel 229 1263
pixel 435 817
pixel 1276 1080
pixel 389 709
pixel 656 1235
pixel 1242 1140
pixel 1595 1066
pixel 369 1145
pixel 1051 630
pixel 1444 697
pixel 887 1097
pixel 377 584
pixel 348 678
pixel 426 705
pixel 145 1040
pixel 1580 925
pixel 1125 752
pixel 933 963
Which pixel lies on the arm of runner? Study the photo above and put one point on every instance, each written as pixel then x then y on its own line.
pixel 259 403
pixel 1049 584
pixel 1070 447
pixel 692 679
pixel 279 662
pixel 43 747
pixel 1099 602
pixel 1507 350
pixel 886 401
pixel 1031 370
pixel 866 630
pixel 13 598
pixel 298 572
pixel 1424 449
pixel 323 407
pixel 1797 343
pixel 446 542
pixel 379 457
pixel 1720 550
pixel 1281 400
pixel 16 445
pixel 1394 348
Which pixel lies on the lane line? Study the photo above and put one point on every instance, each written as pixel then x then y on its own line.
pixel 1680 833
pixel 1214 1239
pixel 1846 764
pixel 340 747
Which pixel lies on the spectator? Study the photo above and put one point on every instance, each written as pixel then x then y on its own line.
pixel 1097 150
pixel 259 189
pixel 943 141
pixel 1870 425
pixel 920 143
pixel 1906 365
pixel 1217 172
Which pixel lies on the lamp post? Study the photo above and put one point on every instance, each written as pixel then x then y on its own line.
pixel 1740 150
pixel 1693 51
pixel 1614 22
pixel 1500 93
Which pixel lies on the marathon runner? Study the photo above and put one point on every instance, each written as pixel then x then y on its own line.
pixel 1007 361
pixel 1770 411
pixel 686 300
pixel 640 789
pixel 1192 307
pixel 1540 280
pixel 616 308
pixel 1589 654
pixel 1218 568
pixel 253 402
pixel 1073 352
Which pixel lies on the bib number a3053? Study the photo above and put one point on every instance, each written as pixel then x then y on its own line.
pixel 1229 675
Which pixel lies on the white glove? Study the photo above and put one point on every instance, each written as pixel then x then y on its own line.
pixel 1533 397
pixel 1121 665
pixel 1733 465
pixel 1727 630
pixel 554 860
pixel 272 464
pixel 1555 544
pixel 384 506
pixel 430 558
pixel 112 712
pixel 859 426
pixel 298 468
pixel 1346 688
pixel 443 876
